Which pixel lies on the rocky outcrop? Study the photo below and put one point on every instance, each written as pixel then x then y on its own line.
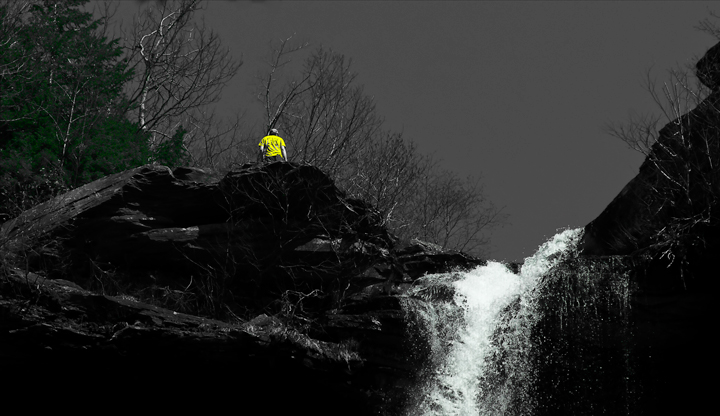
pixel 666 217
pixel 621 325
pixel 267 271
pixel 672 193
pixel 663 227
pixel 707 68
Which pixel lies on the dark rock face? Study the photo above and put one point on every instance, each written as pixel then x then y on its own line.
pixel 707 68
pixel 303 284
pixel 676 184
pixel 664 226
pixel 188 222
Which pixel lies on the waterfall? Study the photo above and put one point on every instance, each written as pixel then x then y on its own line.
pixel 457 315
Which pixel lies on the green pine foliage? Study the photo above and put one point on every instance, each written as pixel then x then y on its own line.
pixel 63 116
pixel 117 145
pixel 172 152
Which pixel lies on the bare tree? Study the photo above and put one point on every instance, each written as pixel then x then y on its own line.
pixel 331 123
pixel 682 90
pixel 677 95
pixel 681 171
pixel 276 102
pixel 709 25
pixel 180 68
pixel 326 116
pixel 386 172
pixel 454 212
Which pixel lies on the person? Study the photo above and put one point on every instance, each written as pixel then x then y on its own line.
pixel 272 147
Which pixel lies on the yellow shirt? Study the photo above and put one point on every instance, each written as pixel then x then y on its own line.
pixel 273 145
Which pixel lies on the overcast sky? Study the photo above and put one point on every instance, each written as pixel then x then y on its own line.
pixel 515 92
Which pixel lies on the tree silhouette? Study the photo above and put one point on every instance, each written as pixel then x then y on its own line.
pixel 331 123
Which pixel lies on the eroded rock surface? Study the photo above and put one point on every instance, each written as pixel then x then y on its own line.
pixel 270 272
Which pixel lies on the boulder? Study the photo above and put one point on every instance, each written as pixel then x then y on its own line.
pixel 192 221
pixel 268 274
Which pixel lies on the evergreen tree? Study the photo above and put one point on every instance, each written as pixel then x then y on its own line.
pixel 62 114
pixel 172 152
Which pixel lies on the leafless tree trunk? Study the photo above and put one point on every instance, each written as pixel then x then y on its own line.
pixel 180 68
pixel 276 102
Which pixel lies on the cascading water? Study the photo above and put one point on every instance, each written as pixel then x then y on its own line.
pixel 460 331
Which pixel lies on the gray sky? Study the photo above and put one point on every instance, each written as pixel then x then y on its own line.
pixel 515 92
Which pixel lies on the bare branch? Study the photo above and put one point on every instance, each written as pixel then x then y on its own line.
pixel 179 66
pixel 330 123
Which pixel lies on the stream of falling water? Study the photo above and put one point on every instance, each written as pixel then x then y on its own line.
pixel 454 386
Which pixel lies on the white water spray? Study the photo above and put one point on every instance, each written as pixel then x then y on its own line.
pixel 454 387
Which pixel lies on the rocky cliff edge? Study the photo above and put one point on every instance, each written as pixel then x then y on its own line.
pixel 267 282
